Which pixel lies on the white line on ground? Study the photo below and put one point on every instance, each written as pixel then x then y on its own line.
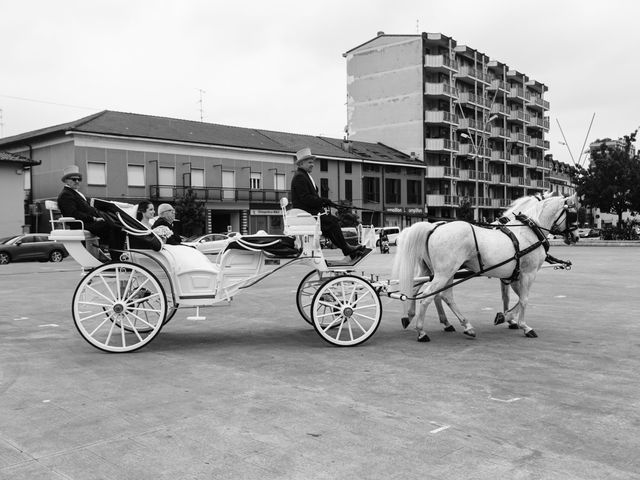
pixel 440 429
pixel 49 325
pixel 509 400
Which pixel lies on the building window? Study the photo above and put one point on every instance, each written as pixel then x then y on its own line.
pixel 96 173
pixel 348 190
pixel 197 177
pixel 280 181
pixel 367 167
pixel 371 187
pixel 414 191
pixel 392 190
pixel 167 178
pixel 135 175
pixel 324 165
pixel 324 187
pixel 347 167
pixel 228 185
pixel 392 169
pixel 256 180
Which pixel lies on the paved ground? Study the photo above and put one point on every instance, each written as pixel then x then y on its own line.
pixel 254 393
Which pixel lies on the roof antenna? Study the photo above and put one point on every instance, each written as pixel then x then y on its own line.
pixel 200 102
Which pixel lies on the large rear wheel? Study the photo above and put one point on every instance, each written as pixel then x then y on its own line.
pixel 119 307
pixel 346 311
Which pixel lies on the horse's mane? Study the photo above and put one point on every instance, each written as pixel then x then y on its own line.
pixel 531 206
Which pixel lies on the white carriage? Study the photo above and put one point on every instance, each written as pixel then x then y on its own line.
pixel 122 305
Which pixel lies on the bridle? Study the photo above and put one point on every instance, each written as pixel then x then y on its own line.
pixel 570 214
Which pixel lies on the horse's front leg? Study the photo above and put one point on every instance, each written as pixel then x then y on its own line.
pixel 409 311
pixel 442 316
pixel 424 303
pixel 504 292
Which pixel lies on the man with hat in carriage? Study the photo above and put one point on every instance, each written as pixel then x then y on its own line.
pixel 72 203
pixel 304 195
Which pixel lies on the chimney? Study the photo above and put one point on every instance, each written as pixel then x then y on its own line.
pixel 380 33
pixel 346 145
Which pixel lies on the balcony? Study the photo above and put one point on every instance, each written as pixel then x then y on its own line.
pixel 440 145
pixel 442 200
pixel 498 85
pixel 519 116
pixel 443 90
pixel 440 62
pixel 537 143
pixel 505 179
pixel 470 73
pixel 500 156
pixel 465 149
pixel 538 102
pixel 519 93
pixel 520 138
pixel 499 109
pixel 517 181
pixel 437 171
pixel 218 194
pixel 499 132
pixel 468 123
pixel 520 159
pixel 440 117
pixel 494 177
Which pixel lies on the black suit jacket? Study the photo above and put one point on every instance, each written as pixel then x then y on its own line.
pixel 162 222
pixel 72 204
pixel 304 195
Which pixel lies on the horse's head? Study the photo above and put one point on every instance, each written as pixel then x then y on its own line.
pixel 566 223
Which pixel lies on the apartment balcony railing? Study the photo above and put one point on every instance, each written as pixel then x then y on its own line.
pixel 440 62
pixel 441 145
pixel 437 171
pixel 537 142
pixel 498 84
pixel 473 73
pixel 536 183
pixel 467 174
pixel 218 194
pixel 442 200
pixel 545 124
pixel 499 132
pixel 505 202
pixel 546 145
pixel 465 149
pixel 506 179
pixel 519 116
pixel 520 137
pixel 519 93
pixel 500 156
pixel 499 109
pixel 520 159
pixel 495 178
pixel 441 117
pixel 496 202
pixel 467 123
pixel 441 90
pixel 517 181
pixel 539 102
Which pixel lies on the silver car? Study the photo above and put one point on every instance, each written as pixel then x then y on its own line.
pixel 210 244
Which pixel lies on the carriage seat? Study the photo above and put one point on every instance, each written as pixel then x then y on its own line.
pixel 281 246
pixel 117 215
pixel 300 222
pixel 66 228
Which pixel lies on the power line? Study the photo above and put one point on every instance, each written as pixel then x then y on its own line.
pixel 47 102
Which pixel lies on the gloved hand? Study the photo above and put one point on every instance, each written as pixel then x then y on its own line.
pixel 328 203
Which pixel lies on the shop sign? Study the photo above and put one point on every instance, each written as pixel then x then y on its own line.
pixel 265 212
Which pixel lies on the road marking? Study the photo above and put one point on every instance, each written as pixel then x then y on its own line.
pixel 49 325
pixel 510 400
pixel 440 429
pixel 487 308
pixel 21 318
pixel 560 296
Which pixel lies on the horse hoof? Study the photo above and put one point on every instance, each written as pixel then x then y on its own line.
pixel 423 337
pixel 471 333
pixel 499 318
pixel 405 322
pixel 449 329
pixel 531 334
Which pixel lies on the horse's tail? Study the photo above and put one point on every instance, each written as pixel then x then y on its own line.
pixel 411 253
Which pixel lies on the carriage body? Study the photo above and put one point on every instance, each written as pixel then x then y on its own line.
pixel 120 306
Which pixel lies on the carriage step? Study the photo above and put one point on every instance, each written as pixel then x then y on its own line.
pixel 197 316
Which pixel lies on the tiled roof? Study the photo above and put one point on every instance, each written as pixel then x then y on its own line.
pixel 152 127
pixel 12 157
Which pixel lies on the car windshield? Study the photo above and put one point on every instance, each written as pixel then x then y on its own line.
pixel 193 238
pixel 7 240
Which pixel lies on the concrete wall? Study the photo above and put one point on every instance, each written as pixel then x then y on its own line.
pixel 384 93
pixel 12 198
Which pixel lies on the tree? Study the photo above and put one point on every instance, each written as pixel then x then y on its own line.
pixel 611 183
pixel 465 212
pixel 346 216
pixel 191 213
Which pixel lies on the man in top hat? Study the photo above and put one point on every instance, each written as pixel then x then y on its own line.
pixel 166 217
pixel 304 195
pixel 72 203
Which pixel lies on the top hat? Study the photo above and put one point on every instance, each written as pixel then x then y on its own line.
pixel 71 171
pixel 304 154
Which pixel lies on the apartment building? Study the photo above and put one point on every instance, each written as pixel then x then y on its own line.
pixel 477 124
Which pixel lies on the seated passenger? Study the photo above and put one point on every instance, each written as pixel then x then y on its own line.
pixel 304 195
pixel 72 203
pixel 166 217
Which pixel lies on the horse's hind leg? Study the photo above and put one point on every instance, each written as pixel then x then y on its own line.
pixel 447 296
pixel 442 316
pixel 409 312
pixel 503 316
pixel 521 288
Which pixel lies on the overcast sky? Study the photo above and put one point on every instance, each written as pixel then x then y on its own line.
pixel 278 64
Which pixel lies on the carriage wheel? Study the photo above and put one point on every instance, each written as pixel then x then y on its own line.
pixel 119 307
pixel 346 310
pixel 307 289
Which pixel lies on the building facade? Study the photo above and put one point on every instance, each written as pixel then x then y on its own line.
pixel 15 193
pixel 239 173
pixel 478 125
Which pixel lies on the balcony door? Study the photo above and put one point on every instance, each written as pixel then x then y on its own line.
pixel 228 185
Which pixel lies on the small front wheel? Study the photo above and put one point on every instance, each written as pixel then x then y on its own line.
pixel 119 307
pixel 346 311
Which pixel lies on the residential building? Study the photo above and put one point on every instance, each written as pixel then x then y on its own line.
pixel 477 124
pixel 239 173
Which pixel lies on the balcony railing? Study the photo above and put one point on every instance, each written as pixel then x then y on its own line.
pixel 439 116
pixel 519 92
pixel 520 116
pixel 442 200
pixel 218 194
pixel 441 145
pixel 441 89
pixel 500 109
pixel 442 172
pixel 500 156
pixel 440 61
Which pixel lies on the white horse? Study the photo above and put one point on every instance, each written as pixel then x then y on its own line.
pixel 444 248
pixel 521 205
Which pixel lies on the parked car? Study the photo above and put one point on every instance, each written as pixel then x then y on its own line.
pixel 210 244
pixel 392 235
pixel 31 246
